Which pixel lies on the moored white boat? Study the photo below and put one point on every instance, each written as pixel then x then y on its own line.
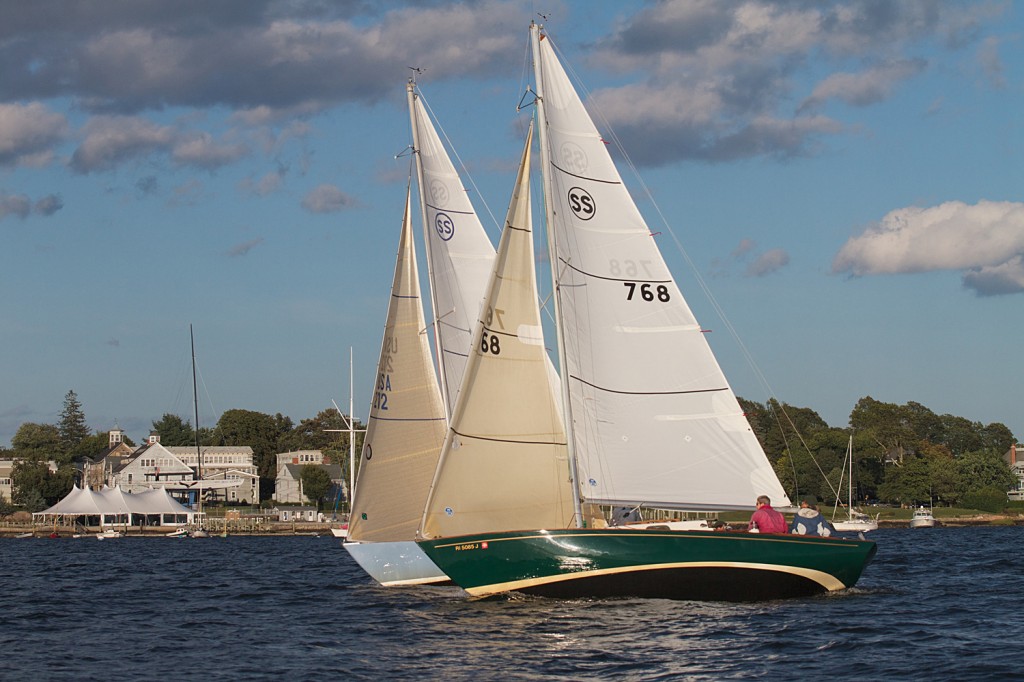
pixel 109 534
pixel 922 518
pixel 855 522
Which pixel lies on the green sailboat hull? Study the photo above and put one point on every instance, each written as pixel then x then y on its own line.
pixel 699 565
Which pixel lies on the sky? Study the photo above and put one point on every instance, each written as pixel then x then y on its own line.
pixel 839 186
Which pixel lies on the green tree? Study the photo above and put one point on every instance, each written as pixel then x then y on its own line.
pixel 33 501
pixel 261 432
pixel 980 470
pixel 31 478
pixel 889 425
pixel 997 438
pixel 96 444
pixel 72 426
pixel 961 435
pixel 986 499
pixel 6 508
pixel 925 424
pixel 37 442
pixel 315 483
pixel 907 483
pixel 174 431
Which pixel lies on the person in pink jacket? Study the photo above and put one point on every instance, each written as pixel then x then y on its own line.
pixel 766 519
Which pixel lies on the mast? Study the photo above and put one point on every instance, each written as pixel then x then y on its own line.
pixel 195 403
pixel 351 432
pixel 410 89
pixel 849 482
pixel 545 166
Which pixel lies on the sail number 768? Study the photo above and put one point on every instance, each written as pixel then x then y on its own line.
pixel 647 292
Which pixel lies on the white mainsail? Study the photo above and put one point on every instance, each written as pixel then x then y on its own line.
pixel 504 461
pixel 652 418
pixel 459 254
pixel 407 423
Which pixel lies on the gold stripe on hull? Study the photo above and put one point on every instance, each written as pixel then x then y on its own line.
pixel 827 581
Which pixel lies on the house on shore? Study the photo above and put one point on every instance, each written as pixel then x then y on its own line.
pixel 288 488
pixel 1015 458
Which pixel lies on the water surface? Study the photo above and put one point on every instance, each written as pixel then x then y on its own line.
pixel 939 603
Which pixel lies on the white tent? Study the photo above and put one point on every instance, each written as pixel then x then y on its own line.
pixel 114 507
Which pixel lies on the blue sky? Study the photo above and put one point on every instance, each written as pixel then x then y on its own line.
pixel 845 177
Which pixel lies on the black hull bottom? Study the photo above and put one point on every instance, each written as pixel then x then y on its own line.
pixel 696 584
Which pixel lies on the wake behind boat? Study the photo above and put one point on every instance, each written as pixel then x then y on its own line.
pixel 650 420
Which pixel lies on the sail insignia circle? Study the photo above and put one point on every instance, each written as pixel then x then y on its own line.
pixel 581 203
pixel 444 226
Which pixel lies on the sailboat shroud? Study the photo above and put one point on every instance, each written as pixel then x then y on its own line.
pixel 651 418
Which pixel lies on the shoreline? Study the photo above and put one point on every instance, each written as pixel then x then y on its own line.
pixel 324 529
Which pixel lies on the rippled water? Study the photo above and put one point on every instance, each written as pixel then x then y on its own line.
pixel 938 603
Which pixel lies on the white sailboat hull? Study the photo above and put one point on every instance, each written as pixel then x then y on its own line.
pixel 394 564
pixel 855 526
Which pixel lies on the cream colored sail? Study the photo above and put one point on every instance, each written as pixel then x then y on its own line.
pixel 654 420
pixel 504 461
pixel 407 424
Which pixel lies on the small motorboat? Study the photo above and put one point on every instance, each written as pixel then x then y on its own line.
pixel 178 533
pixel 109 535
pixel 922 518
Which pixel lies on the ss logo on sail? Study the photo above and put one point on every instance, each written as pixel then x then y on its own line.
pixel 444 226
pixel 581 203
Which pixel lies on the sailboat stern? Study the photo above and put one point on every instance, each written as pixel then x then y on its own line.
pixel 690 565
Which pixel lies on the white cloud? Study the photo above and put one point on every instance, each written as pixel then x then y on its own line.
pixel 48 205
pixel 723 80
pixel 22 206
pixel 865 88
pixel 202 151
pixel 245 247
pixel 743 248
pixel 1005 278
pixel 768 262
pixel 990 62
pixel 326 199
pixel 985 240
pixel 27 133
pixel 15 204
pixel 111 140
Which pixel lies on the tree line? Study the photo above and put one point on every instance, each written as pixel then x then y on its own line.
pixel 903 454
pixel 70 441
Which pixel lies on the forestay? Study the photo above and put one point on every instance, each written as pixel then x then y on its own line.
pixel 407 423
pixel 654 420
pixel 504 461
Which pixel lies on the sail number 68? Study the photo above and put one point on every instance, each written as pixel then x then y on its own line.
pixel 648 293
